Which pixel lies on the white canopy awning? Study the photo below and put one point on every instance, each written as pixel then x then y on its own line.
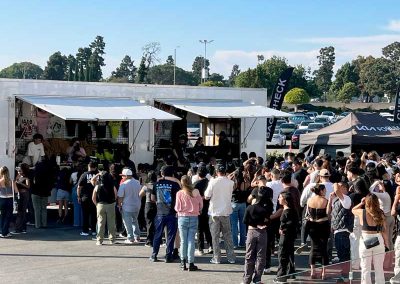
pixel 225 108
pixel 92 109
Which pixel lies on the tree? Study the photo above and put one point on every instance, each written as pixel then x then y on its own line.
pixel 22 70
pixel 392 52
pixel 96 60
pixel 56 67
pixel 348 91
pixel 245 79
pixel 297 96
pixel 347 73
pixel 323 75
pixel 71 68
pixel 377 77
pixel 197 66
pixel 234 73
pixel 142 72
pixel 126 72
pixel 151 52
pixel 170 60
pixel 212 84
pixel 215 77
pixel 272 67
pixel 164 75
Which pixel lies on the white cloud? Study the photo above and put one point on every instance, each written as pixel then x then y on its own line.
pixel 346 49
pixel 394 25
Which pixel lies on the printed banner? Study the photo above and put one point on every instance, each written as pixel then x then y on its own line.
pixel 278 95
pixel 397 106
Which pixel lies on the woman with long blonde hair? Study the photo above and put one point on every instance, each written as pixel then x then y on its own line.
pixel 188 206
pixel 373 238
pixel 7 187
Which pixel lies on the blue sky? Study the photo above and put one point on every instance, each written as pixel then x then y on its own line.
pixel 33 30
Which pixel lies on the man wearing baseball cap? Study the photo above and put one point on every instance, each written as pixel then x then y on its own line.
pixel 219 192
pixel 129 203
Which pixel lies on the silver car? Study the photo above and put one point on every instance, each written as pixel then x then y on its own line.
pixel 278 139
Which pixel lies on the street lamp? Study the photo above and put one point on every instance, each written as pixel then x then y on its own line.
pixel 204 71
pixel 175 63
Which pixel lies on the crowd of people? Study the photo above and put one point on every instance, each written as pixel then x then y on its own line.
pixel 349 204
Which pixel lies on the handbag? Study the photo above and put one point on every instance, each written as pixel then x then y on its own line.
pixel 370 243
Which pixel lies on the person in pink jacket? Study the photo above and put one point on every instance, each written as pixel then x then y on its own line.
pixel 188 206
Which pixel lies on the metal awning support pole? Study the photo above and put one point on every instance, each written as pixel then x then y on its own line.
pixel 137 133
pixel 248 132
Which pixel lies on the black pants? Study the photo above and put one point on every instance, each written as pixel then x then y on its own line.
pixel 204 231
pixel 271 232
pixel 20 223
pixel 286 256
pixel 89 215
pixel 150 211
pixel 141 217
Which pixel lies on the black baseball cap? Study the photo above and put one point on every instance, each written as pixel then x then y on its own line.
pixel 221 168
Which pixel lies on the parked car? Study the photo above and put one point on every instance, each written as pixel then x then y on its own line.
pixel 315 126
pixel 304 124
pixel 297 118
pixel 287 129
pixel 278 139
pixel 342 115
pixel 279 122
pixel 295 142
pixel 329 114
pixel 312 114
pixel 322 119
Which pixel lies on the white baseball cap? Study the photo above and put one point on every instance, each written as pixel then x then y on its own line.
pixel 126 172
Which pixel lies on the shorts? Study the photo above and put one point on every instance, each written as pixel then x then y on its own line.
pixel 62 195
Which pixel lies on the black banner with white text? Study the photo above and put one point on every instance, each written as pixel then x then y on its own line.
pixel 278 95
pixel 397 106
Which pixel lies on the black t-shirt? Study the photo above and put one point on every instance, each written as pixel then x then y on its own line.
pixel 300 176
pixel 289 222
pixel 201 186
pixel 165 192
pixel 105 190
pixel 84 182
pixel 255 215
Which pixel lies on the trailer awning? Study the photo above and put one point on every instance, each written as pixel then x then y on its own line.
pixel 92 109
pixel 225 108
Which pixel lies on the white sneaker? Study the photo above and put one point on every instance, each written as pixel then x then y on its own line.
pixel 128 242
pixel 267 270
pixel 84 234
pixel 210 250
pixel 99 243
pixel 214 261
pixel 231 261
pixel 199 253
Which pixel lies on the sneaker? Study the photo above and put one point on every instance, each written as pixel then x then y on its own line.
pixel 153 258
pixel 5 236
pixel 210 250
pixel 99 243
pixel 214 261
pixel 276 280
pixel 199 252
pixel 136 240
pixel 113 242
pixel 30 224
pixel 121 235
pixel 267 270
pixel 231 261
pixel 16 232
pixel 23 232
pixel 94 233
pixel 128 242
pixel 301 248
pixel 148 245
pixel 84 234
pixel 163 245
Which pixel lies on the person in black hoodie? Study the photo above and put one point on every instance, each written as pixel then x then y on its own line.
pixel 256 216
pixel 288 233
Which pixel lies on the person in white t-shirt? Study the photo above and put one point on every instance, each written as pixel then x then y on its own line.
pixel 276 186
pixel 36 149
pixel 219 192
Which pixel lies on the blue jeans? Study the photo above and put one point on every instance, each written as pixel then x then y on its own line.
pixel 187 229
pixel 131 224
pixel 77 208
pixel 160 222
pixel 237 223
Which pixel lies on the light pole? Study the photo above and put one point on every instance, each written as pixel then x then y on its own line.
pixel 175 63
pixel 204 71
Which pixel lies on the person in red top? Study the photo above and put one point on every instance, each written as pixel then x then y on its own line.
pixel 188 206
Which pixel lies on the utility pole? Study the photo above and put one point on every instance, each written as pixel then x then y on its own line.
pixel 175 63
pixel 204 73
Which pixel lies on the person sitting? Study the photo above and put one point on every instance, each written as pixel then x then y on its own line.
pixel 75 151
